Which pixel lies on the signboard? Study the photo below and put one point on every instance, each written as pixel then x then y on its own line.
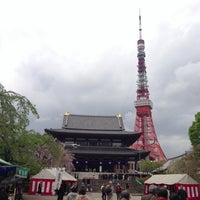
pixel 21 172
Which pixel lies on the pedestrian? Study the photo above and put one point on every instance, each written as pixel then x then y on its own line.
pixel 118 191
pixel 61 192
pixel 82 194
pixel 3 194
pixel 72 194
pixel 109 190
pixel 151 195
pixel 39 191
pixel 75 185
pixel 182 194
pixel 18 195
pixel 127 187
pixel 125 195
pixel 162 193
pixel 103 192
pixel 174 196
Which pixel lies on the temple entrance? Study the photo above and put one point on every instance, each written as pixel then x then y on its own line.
pixel 101 166
pixel 93 166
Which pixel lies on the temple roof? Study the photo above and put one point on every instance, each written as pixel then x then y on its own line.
pixel 127 136
pixel 89 122
pixel 98 127
pixel 108 152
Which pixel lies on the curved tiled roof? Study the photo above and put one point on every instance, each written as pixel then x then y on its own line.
pixel 98 127
pixel 89 122
pixel 127 136
pixel 110 152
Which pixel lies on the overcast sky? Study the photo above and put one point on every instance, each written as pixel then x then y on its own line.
pixel 80 56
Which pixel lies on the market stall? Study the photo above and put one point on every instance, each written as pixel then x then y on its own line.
pixel 174 182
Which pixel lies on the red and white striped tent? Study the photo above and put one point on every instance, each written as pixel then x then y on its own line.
pixel 50 179
pixel 175 181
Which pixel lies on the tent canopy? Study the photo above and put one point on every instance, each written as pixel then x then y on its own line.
pixel 171 179
pixel 3 162
pixel 51 173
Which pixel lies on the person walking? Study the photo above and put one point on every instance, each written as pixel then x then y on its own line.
pixel 118 191
pixel 162 193
pixel 125 195
pixel 82 194
pixel 174 196
pixel 103 192
pixel 182 194
pixel 72 194
pixel 39 191
pixel 61 192
pixel 18 192
pixel 109 190
pixel 3 194
pixel 151 195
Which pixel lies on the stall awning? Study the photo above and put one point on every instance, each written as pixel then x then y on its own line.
pixel 3 162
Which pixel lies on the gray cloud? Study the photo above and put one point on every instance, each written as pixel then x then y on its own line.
pixel 85 62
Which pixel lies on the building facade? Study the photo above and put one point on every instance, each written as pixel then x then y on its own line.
pixel 99 143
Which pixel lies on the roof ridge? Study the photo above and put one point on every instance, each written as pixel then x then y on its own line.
pixel 98 116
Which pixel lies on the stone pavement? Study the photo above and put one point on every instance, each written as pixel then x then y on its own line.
pixel 91 195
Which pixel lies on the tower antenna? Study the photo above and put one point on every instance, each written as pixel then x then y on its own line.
pixel 140 25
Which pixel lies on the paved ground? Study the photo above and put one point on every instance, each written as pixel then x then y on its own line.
pixel 91 195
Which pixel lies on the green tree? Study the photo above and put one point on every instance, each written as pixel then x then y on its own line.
pixel 194 135
pixel 14 112
pixel 26 147
pixel 36 151
pixel 148 166
pixel 190 163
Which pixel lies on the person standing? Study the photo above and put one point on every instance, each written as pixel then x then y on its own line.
pixel 118 191
pixel 103 192
pixel 82 194
pixel 151 195
pixel 39 191
pixel 3 194
pixel 61 192
pixel 72 194
pixel 174 196
pixel 125 195
pixel 162 193
pixel 109 190
pixel 182 194
pixel 18 195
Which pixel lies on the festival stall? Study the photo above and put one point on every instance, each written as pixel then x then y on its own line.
pixel 174 182
pixel 48 180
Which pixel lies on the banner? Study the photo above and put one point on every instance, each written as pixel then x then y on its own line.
pixel 58 179
pixel 21 172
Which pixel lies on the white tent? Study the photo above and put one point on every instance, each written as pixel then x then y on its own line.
pixel 50 178
pixel 50 173
pixel 171 179
pixel 191 186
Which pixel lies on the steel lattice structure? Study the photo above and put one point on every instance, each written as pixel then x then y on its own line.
pixel 144 122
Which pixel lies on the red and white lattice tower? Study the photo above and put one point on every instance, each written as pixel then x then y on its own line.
pixel 144 122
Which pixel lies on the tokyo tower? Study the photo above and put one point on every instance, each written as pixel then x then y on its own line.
pixel 144 122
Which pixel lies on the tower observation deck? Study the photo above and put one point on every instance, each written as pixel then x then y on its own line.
pixel 143 121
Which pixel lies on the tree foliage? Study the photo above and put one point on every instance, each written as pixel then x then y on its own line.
pixel 36 151
pixel 148 166
pixel 14 112
pixel 194 135
pixel 26 147
pixel 190 163
pixel 186 165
